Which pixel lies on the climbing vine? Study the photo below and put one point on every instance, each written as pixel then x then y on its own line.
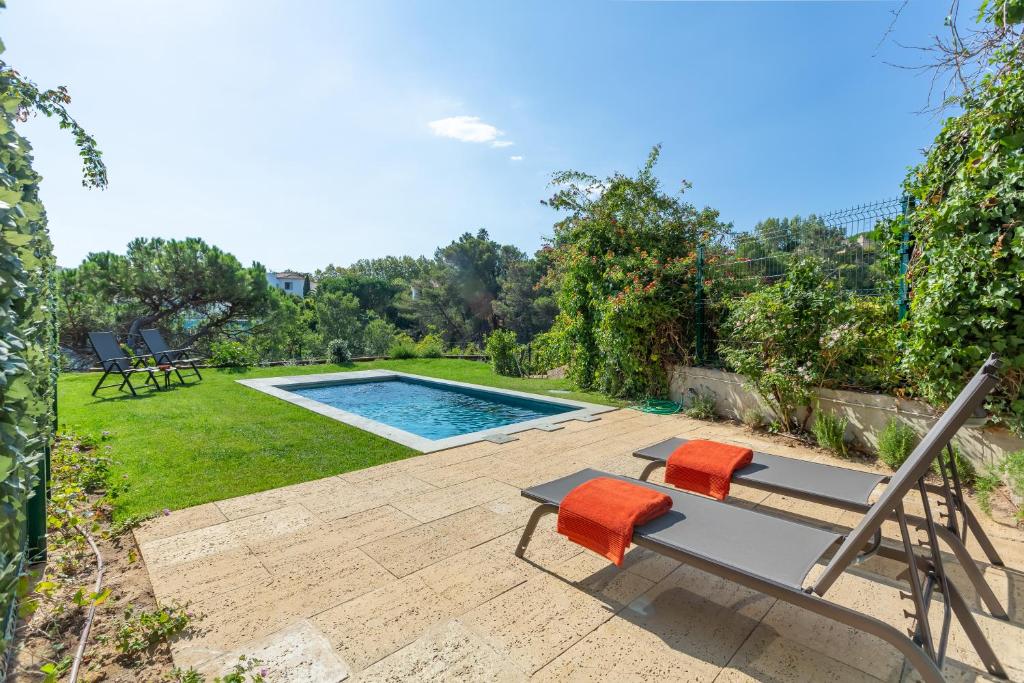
pixel 27 328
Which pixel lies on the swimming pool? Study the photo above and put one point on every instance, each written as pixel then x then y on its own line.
pixel 427 414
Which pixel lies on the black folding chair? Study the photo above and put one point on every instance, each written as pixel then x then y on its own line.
pixel 114 362
pixel 775 555
pixel 165 355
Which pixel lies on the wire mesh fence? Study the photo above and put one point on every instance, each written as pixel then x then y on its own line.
pixel 843 241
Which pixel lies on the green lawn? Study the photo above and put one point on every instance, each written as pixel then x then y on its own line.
pixel 217 439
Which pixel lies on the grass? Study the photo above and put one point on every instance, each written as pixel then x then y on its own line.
pixel 217 439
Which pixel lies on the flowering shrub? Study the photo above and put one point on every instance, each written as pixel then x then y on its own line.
pixel 806 332
pixel 625 260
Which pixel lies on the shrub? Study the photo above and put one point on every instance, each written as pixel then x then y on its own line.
pixel 985 485
pixel 472 349
pixel 753 418
pixel 805 332
pixel 504 353
pixel 545 353
pixel 233 354
pixel 626 259
pixel 1013 467
pixel 431 346
pixel 403 347
pixel 895 443
pixel 338 351
pixel 702 405
pixel 830 432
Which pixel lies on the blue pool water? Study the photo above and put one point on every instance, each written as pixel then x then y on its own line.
pixel 433 411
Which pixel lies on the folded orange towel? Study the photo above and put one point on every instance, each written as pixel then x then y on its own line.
pixel 706 466
pixel 600 514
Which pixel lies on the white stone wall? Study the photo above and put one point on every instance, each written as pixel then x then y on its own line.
pixel 867 414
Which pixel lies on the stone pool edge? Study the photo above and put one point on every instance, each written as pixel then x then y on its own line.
pixel 277 387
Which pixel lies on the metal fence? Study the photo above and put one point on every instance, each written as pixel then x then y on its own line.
pixel 843 240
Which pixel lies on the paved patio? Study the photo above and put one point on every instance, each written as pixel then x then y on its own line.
pixel 406 572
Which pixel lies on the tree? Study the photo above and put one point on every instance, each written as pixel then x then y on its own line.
pixel 161 282
pixel 339 316
pixel 526 303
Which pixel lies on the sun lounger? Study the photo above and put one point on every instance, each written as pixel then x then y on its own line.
pixel 115 362
pixel 851 490
pixel 163 354
pixel 775 555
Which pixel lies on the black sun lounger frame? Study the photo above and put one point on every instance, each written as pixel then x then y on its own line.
pixel 114 362
pixel 164 355
pixel 742 545
pixel 849 489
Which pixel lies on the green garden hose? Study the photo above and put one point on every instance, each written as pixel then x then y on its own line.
pixel 658 407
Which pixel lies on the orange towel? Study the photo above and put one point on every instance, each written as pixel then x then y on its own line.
pixel 706 466
pixel 600 514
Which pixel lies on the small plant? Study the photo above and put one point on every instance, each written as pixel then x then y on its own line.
pixel 403 347
pixel 140 630
pixel 984 486
pixel 431 346
pixel 241 672
pixel 233 354
pixel 702 404
pixel 504 352
pixel 753 418
pixel 830 432
pixel 895 443
pixel 964 467
pixel 1013 467
pixel 338 351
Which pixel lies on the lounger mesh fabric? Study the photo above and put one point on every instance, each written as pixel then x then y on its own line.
pixel 748 541
pixel 838 484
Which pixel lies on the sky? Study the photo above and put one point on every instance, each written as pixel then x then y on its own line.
pixel 300 134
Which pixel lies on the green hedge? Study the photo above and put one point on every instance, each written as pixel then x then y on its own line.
pixel 28 331
pixel 27 346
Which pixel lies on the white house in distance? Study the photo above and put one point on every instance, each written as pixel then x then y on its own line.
pixel 289 281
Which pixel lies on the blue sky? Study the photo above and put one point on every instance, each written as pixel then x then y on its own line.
pixel 299 134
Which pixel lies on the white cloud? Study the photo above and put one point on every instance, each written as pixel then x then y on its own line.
pixel 516 157
pixel 466 129
pixel 502 143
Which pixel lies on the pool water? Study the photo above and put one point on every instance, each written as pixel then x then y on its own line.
pixel 433 411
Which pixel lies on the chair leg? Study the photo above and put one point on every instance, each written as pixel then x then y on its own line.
pixel 531 526
pixel 974 633
pixel 128 381
pixel 196 370
pixel 974 574
pixel 979 533
pixel 649 470
pixel 100 383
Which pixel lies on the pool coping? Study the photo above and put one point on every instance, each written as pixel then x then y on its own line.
pixel 278 387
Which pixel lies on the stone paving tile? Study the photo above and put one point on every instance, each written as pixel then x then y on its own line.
pixel 536 621
pixel 179 521
pixel 220 538
pixel 772 658
pixel 474 576
pixel 265 501
pixel 449 652
pixel 408 551
pixel 685 628
pixel 377 624
pixel 296 654
pixel 439 503
pixel 207 576
pixel 231 619
pixel 844 643
pixel 321 542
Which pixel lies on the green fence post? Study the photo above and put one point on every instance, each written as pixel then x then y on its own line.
pixel 904 297
pixel 35 513
pixel 699 303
